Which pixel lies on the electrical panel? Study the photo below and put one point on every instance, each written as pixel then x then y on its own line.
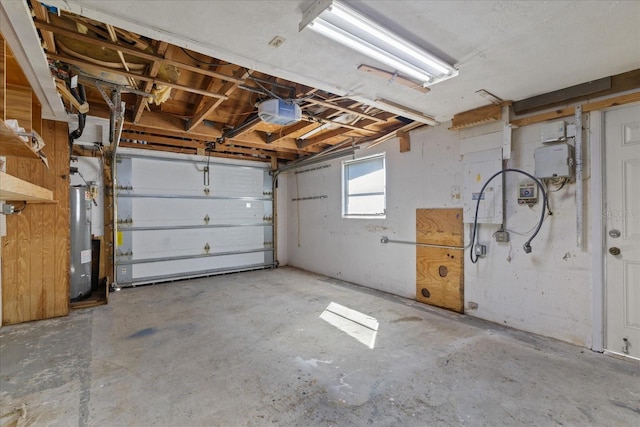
pixel 553 131
pixel 527 193
pixel 479 166
pixel 554 161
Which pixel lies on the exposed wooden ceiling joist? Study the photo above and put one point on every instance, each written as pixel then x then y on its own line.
pixel 204 105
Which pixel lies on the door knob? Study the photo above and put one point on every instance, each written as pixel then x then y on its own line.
pixel 614 251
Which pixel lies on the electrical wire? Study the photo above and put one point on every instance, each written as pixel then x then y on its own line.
pixel 88 186
pixel 201 61
pixel 273 94
pixel 19 211
pixel 523 233
pixel 564 181
pixel 545 204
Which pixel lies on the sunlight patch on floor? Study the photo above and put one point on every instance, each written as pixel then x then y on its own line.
pixel 355 324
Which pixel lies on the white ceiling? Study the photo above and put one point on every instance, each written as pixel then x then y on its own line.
pixel 513 49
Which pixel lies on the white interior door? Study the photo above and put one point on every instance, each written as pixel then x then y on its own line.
pixel 622 233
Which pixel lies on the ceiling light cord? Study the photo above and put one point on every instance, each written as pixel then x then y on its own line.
pixel 545 206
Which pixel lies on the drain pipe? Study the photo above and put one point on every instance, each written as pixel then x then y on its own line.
pixel 579 184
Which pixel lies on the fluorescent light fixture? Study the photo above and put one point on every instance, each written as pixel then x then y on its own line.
pixel 346 26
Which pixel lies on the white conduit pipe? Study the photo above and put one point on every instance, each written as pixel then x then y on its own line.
pixel 579 186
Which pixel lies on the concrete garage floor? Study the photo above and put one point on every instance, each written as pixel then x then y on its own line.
pixel 250 349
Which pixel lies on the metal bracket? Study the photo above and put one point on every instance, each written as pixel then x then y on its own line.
pixel 115 102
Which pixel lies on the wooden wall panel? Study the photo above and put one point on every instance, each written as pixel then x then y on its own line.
pixel 35 256
pixel 440 271
pixel 36 114
pixel 3 76
pixel 439 277
pixel 62 232
pixel 19 105
pixel 34 244
pixel 439 227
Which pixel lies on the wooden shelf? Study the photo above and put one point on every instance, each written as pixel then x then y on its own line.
pixel 12 145
pixel 479 116
pixel 15 189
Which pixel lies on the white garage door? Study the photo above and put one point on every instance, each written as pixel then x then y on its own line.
pixel 188 216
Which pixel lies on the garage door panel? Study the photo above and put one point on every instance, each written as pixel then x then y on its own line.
pixel 194 266
pixel 171 224
pixel 148 244
pixel 191 179
pixel 168 211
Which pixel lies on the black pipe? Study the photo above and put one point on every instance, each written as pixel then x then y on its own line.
pixel 80 95
pixel 253 119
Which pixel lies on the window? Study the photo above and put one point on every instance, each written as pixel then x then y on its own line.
pixel 363 187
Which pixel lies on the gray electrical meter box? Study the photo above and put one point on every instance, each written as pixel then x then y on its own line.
pixel 554 161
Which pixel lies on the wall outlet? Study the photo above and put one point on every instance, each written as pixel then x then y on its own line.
pixel 480 250
pixel 502 236
pixel 7 209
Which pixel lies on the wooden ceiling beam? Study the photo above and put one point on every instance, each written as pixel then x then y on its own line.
pixel 343 125
pixel 212 104
pixel 184 150
pixel 41 13
pixel 322 138
pixel 130 51
pixel 265 157
pixel 115 46
pixel 163 49
pixel 288 144
pixel 154 139
pixel 570 111
pixel 168 125
pixel 177 86
pixel 114 38
pixel 251 144
pixel 345 110
pixel 292 129
pixel 161 123
pixel 85 22
pixel 243 143
pixel 202 71
pixel 249 151
pixel 162 140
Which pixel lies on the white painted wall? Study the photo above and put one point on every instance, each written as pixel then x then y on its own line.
pixel 320 240
pixel 546 292
pixel 281 203
pixel 549 290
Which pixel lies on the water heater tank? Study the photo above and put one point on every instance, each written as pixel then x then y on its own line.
pixel 279 112
pixel 80 207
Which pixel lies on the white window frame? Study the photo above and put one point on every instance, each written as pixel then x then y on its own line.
pixel 345 196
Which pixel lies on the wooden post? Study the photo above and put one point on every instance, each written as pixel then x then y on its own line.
pixel 405 141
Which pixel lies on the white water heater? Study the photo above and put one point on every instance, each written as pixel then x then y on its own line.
pixel 80 225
